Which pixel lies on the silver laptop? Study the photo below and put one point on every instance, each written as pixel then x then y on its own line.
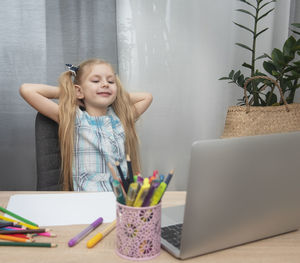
pixel 239 190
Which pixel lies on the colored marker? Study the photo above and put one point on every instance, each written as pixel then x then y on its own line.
pixel 94 240
pixel 140 179
pixel 142 193
pixel 118 190
pixel 147 200
pixel 160 190
pixel 132 193
pixel 162 178
pixel 17 216
pixel 114 175
pixel 85 232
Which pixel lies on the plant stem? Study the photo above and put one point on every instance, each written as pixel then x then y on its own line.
pixel 254 87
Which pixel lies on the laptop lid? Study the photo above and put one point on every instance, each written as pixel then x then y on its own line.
pixel 241 190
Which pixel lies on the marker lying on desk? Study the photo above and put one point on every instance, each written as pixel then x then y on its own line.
pixel 94 240
pixel 160 190
pixel 85 232
pixel 17 216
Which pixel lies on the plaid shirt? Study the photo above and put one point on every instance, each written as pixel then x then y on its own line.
pixel 98 140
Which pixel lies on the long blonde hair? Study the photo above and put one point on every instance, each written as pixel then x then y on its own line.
pixel 68 102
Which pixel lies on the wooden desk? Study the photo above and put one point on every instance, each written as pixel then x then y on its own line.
pixel 281 249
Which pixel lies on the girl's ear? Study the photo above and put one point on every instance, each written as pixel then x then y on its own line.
pixel 79 93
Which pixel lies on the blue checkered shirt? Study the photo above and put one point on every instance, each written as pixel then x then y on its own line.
pixel 98 140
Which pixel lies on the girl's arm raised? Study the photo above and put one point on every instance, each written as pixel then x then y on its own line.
pixel 141 101
pixel 39 97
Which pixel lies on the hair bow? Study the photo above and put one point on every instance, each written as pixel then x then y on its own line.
pixel 72 68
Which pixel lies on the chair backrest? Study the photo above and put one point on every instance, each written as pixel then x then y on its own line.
pixel 47 154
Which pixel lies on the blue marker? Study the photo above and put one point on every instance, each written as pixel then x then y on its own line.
pixel 161 177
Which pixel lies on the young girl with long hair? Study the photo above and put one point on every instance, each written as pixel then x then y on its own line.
pixel 96 118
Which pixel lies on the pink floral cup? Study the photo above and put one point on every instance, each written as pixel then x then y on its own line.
pixel 138 231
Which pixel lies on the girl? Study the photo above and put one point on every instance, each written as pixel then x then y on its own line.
pixel 96 118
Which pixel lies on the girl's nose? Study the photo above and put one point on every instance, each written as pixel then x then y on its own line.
pixel 104 84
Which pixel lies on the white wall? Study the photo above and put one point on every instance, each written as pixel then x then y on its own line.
pixel 177 50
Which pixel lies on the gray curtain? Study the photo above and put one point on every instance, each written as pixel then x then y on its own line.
pixel 177 50
pixel 37 39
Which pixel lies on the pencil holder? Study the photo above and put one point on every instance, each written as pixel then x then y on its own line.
pixel 138 231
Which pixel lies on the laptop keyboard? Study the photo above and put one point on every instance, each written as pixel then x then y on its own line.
pixel 172 234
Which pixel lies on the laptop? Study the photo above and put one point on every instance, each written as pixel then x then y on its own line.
pixel 239 190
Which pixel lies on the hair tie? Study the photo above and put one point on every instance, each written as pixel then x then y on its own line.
pixel 73 69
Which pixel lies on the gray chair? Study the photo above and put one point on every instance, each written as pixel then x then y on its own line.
pixel 47 154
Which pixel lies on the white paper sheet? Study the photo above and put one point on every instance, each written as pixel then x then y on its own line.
pixel 64 209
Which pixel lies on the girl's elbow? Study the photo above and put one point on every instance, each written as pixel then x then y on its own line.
pixel 24 88
pixel 149 97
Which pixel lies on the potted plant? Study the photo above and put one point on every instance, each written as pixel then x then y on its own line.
pixel 281 69
pixel 282 65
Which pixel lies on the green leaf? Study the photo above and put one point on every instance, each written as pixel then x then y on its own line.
pixel 297 63
pixel 263 56
pixel 269 67
pixel 265 14
pixel 223 78
pixel 261 32
pixel 289 68
pixel 296 25
pixel 246 65
pixel 262 102
pixel 271 98
pixel 265 5
pixel 244 27
pixel 236 75
pixel 288 47
pixel 246 12
pixel 243 46
pixel 296 32
pixel 246 2
pixel 231 74
pixel 275 73
pixel 241 80
pixel 277 57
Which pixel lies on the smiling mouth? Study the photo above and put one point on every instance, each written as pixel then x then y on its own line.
pixel 104 94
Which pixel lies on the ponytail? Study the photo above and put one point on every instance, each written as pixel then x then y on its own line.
pixel 125 110
pixel 66 114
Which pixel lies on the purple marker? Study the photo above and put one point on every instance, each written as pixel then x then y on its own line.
pixel 85 232
pixel 147 199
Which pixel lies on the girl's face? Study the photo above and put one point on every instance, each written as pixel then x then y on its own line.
pixel 97 89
